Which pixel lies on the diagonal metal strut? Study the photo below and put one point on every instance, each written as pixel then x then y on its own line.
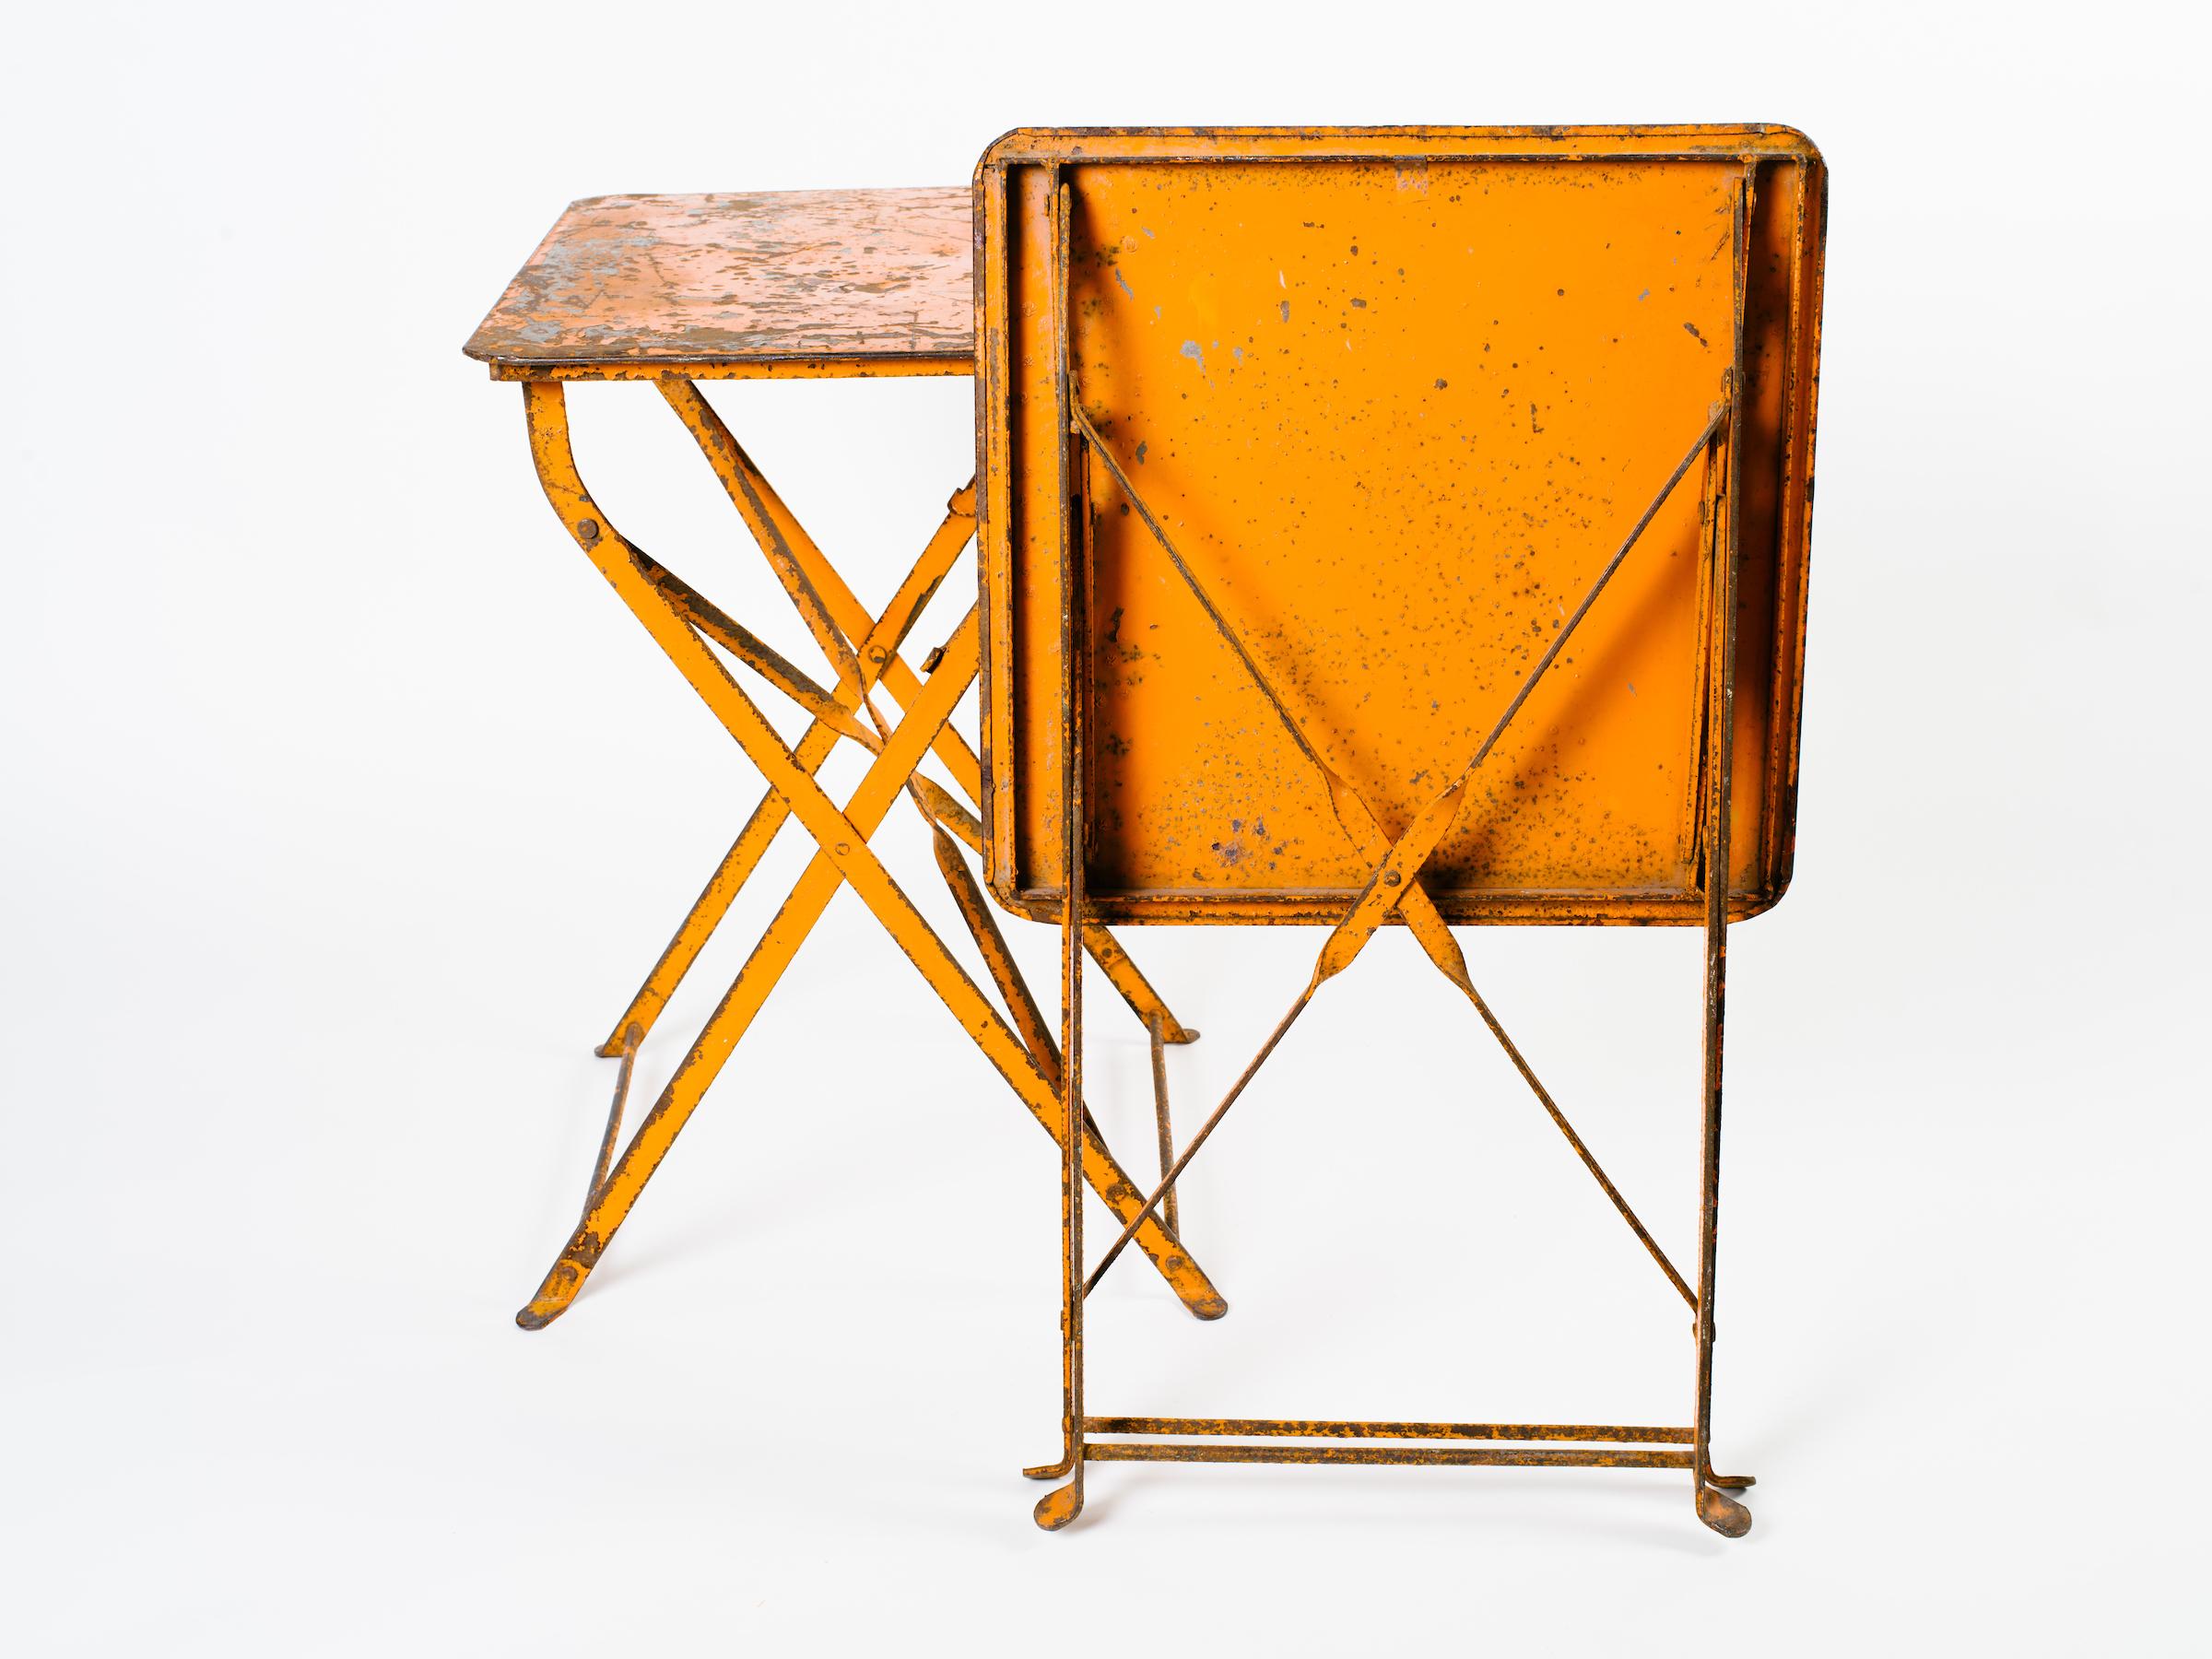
pixel 1400 867
pixel 842 857
pixel 833 614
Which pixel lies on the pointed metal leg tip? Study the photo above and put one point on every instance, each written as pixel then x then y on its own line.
pixel 1057 1508
pixel 1181 1034
pixel 553 1297
pixel 1723 1513
pixel 1211 1307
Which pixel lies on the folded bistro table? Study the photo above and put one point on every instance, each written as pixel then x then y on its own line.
pixel 1395 525
pixel 677 289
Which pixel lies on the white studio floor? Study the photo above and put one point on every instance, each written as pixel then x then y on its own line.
pixel 346 809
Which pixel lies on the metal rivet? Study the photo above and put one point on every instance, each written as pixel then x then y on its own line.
pixel 588 529
pixel 843 849
pixel 1391 878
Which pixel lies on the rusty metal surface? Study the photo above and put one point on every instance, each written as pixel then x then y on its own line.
pixel 610 1138
pixel 1722 1513
pixel 1056 1509
pixel 1163 1123
pixel 1339 1429
pixel 1511 1458
pixel 828 280
pixel 841 834
pixel 1292 564
pixel 1534 320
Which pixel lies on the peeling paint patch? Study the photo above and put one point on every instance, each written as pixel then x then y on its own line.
pixel 630 279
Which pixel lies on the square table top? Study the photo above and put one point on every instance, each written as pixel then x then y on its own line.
pixel 727 285
pixel 1394 397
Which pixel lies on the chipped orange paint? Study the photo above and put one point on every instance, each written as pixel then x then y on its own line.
pixel 842 857
pixel 1236 577
pixel 1396 408
pixel 792 285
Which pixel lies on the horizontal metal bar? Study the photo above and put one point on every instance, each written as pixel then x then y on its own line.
pixel 1685 908
pixel 1730 154
pixel 1595 1458
pixel 1348 1429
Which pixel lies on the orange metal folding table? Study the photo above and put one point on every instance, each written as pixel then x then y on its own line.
pixel 1399 526
pixel 1396 527
pixel 676 290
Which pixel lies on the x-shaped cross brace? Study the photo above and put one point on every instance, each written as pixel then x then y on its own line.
pixel 1394 883
pixel 681 623
pixel 1393 887
pixel 832 613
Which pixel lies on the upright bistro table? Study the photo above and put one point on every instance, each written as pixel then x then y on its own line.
pixel 676 290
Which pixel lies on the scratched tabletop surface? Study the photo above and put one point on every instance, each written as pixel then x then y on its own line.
pixel 863 275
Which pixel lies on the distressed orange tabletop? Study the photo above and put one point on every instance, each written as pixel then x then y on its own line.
pixel 729 286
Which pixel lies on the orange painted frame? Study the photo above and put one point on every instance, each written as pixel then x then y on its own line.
pixel 1019 553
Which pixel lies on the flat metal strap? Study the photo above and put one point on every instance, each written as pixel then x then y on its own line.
pixel 1516 1457
pixel 1354 1428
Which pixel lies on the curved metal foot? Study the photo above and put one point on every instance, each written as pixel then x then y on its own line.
pixel 544 1310
pixel 1057 1508
pixel 565 1278
pixel 1719 1512
pixel 1051 1471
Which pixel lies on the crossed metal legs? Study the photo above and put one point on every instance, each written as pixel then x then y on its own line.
pixel 682 623
pixel 865 652
pixel 1394 887
pixel 1395 884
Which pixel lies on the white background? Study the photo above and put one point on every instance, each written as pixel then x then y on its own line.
pixel 343 809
